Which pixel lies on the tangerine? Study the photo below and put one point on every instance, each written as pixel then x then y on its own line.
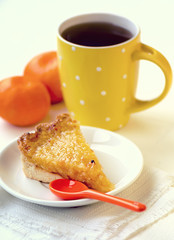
pixel 44 68
pixel 22 102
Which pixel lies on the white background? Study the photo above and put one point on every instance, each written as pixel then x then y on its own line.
pixel 28 28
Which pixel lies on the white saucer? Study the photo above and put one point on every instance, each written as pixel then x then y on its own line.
pixel 121 159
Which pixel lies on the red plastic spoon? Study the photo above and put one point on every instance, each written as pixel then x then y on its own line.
pixel 70 190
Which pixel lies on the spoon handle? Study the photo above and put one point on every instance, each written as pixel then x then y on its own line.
pixel 132 205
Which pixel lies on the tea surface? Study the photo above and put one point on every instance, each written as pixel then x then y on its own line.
pixel 96 34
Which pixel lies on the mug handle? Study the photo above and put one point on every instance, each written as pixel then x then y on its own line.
pixel 148 53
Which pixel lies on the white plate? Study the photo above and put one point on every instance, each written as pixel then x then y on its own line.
pixel 122 162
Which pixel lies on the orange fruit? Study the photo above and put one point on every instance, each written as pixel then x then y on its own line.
pixel 23 102
pixel 44 68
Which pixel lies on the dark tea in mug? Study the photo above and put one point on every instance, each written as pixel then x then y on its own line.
pixel 96 34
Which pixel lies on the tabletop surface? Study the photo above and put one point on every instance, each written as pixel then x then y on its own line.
pixel 29 28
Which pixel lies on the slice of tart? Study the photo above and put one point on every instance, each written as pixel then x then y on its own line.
pixel 59 150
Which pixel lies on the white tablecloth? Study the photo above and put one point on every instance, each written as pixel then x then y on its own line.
pixel 97 221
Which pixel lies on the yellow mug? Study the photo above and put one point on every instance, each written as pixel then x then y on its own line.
pixel 99 82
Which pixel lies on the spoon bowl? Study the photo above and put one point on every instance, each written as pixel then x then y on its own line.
pixel 71 190
pixel 67 189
